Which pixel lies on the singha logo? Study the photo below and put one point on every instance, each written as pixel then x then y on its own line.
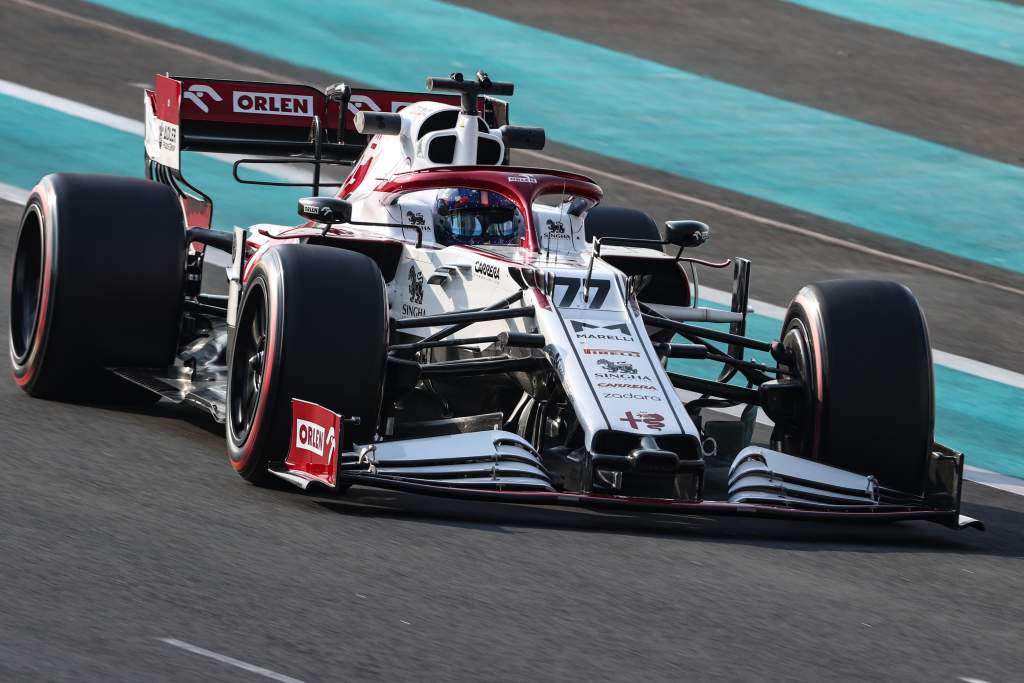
pixel 617 367
pixel 555 227
pixel 415 285
pixel 415 218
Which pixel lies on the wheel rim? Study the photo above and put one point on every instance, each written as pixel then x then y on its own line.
pixel 799 438
pixel 26 288
pixel 248 363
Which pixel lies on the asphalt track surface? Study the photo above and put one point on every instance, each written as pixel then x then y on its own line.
pixel 119 529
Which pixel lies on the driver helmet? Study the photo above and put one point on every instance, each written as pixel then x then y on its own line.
pixel 466 216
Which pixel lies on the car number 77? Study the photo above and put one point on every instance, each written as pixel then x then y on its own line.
pixel 598 291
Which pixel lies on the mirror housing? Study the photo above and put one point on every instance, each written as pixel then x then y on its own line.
pixel 329 210
pixel 373 122
pixel 687 233
pixel 522 137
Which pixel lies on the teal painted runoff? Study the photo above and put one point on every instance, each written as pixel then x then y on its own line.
pixel 986 27
pixel 987 426
pixel 647 113
pixel 36 140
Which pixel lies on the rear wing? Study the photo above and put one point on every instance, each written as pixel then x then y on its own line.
pixel 266 119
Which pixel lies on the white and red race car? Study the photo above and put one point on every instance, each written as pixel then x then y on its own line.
pixel 449 323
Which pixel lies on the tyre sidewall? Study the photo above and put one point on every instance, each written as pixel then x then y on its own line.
pixel 246 450
pixel 111 290
pixel 871 407
pixel 327 322
pixel 39 215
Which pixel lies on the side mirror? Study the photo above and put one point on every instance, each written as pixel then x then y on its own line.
pixel 522 137
pixel 373 122
pixel 328 210
pixel 687 233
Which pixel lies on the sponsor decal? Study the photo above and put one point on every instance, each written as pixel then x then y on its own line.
pixel 626 385
pixel 487 270
pixel 625 376
pixel 276 104
pixel 556 231
pixel 196 94
pixel 617 367
pixel 415 218
pixel 643 419
pixel 522 179
pixel 621 328
pixel 410 311
pixel 557 360
pixel 573 285
pixel 316 212
pixel 582 331
pixel 415 285
pixel 168 136
pixel 360 103
pixel 631 395
pixel 315 442
pixel 311 437
pixel 611 352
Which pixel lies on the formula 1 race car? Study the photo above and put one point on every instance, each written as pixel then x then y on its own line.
pixel 449 323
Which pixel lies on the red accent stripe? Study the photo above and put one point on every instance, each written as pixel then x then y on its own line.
pixel 32 361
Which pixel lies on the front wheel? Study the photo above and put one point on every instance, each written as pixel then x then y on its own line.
pixel 312 325
pixel 860 348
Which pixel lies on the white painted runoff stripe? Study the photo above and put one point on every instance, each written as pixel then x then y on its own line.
pixel 771 222
pixel 82 111
pixel 978 475
pixel 128 125
pixel 975 474
pixel 969 366
pixel 1004 482
pixel 123 123
pixel 230 661
pixel 810 234
pixel 184 49
pixel 10 193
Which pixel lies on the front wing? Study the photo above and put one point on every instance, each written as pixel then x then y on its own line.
pixel 497 466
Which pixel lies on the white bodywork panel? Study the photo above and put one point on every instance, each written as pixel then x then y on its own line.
pixel 596 340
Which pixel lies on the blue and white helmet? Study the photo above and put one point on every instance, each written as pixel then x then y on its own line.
pixel 465 216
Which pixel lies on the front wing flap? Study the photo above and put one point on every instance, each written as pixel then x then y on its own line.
pixel 498 466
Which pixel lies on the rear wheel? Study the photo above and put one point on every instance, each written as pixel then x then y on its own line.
pixel 860 347
pixel 97 282
pixel 312 325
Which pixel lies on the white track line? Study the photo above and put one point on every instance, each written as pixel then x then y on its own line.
pixel 762 220
pixel 123 123
pixel 118 122
pixel 15 195
pixel 66 106
pixel 127 33
pixel 771 222
pixel 950 360
pixel 128 125
pixel 1003 482
pixel 230 661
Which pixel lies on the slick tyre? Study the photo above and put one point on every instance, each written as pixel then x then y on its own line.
pixel 861 349
pixel 97 282
pixel 312 325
